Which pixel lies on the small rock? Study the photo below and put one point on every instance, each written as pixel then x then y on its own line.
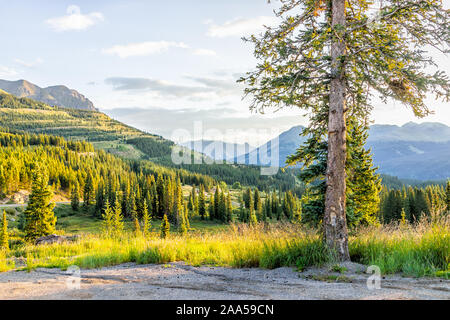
pixel 53 238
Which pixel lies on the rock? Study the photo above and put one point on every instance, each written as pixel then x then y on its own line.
pixel 53 238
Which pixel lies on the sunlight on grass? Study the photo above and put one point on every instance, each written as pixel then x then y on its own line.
pixel 419 251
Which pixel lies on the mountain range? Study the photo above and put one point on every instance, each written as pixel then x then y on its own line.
pixel 412 151
pixel 59 95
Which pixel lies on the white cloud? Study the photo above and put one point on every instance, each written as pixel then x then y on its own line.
pixel 241 27
pixel 205 88
pixel 29 64
pixel 7 72
pixel 75 20
pixel 143 48
pixel 204 52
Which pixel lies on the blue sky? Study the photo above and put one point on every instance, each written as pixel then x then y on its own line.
pixel 157 65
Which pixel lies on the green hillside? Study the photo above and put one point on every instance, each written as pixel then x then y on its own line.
pixel 28 115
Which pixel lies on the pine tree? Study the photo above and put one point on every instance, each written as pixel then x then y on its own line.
pixel 258 205
pixel 202 203
pixel 118 218
pixel 132 207
pixel 178 206
pixel 75 197
pixel 145 220
pixel 88 192
pixel 40 219
pixel 229 209
pixel 211 207
pixel 216 214
pixel 186 217
pixel 165 227
pixel 328 57
pixel 108 220
pixel 363 184
pixel 4 236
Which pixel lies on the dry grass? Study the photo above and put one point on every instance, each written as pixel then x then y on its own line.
pixel 413 250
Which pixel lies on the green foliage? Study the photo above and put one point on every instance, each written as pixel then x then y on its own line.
pixel 414 203
pixel 145 220
pixel 4 236
pixel 202 202
pixel 363 184
pixel 108 220
pixel 39 216
pixel 165 228
pixel 117 218
pixel 153 147
pixel 75 196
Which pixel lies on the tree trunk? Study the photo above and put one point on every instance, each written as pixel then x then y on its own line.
pixel 335 224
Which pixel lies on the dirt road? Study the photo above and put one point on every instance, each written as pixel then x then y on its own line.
pixel 179 281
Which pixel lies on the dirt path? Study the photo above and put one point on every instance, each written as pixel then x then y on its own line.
pixel 179 281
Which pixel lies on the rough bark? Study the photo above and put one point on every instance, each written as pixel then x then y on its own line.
pixel 335 224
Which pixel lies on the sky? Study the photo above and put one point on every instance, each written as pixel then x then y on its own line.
pixel 166 67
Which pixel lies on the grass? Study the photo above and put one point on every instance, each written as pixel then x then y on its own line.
pixel 421 250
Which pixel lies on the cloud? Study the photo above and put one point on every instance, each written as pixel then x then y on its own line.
pixel 27 64
pixel 75 20
pixel 218 123
pixel 160 87
pixel 143 48
pixel 218 87
pixel 7 72
pixel 204 52
pixel 240 27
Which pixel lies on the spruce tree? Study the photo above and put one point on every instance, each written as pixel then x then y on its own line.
pixel 118 218
pixel 329 57
pixel 145 220
pixel 40 219
pixel 88 192
pixel 165 227
pixel 211 207
pixel 363 184
pixel 108 220
pixel 75 197
pixel 258 205
pixel 4 236
pixel 202 203
pixel 229 209
pixel 216 214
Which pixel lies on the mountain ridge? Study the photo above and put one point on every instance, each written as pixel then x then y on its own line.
pixel 411 151
pixel 57 95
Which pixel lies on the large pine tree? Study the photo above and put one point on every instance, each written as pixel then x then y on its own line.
pixel 328 57
pixel 40 219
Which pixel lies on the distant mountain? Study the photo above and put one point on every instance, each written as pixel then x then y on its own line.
pixel 218 150
pixel 412 151
pixel 54 96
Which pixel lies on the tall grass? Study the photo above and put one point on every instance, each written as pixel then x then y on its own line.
pixel 419 250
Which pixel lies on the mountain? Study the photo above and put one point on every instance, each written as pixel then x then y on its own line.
pixel 55 95
pixel 412 151
pixel 218 150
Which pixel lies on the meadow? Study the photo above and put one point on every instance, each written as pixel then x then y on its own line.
pixel 416 250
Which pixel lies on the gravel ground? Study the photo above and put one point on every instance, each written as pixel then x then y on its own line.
pixel 180 281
